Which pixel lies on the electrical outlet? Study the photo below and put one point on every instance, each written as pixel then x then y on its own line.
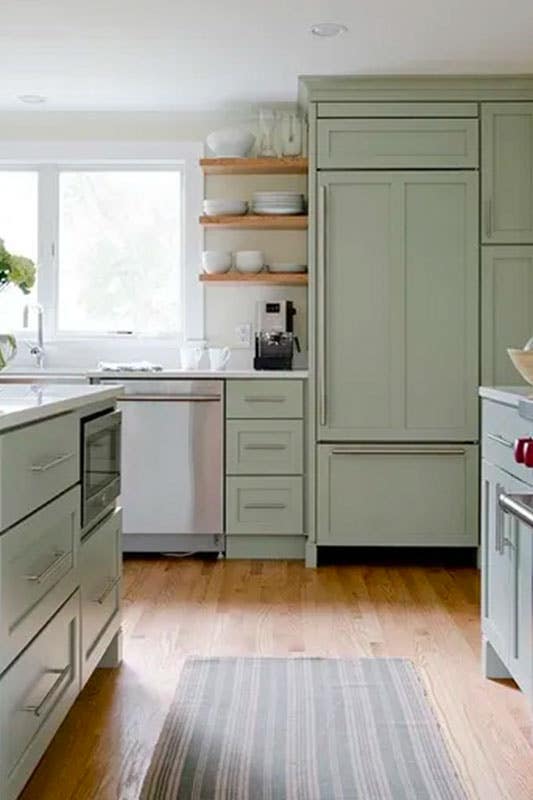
pixel 244 333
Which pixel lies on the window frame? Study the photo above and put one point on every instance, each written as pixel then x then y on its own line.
pixel 49 159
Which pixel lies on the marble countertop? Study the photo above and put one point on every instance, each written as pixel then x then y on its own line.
pixel 21 404
pixel 508 395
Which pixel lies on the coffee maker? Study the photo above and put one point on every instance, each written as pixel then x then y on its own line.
pixel 274 339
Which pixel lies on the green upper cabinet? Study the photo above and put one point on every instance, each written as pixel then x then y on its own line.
pixel 506 310
pixel 398 306
pixel 397 143
pixel 507 173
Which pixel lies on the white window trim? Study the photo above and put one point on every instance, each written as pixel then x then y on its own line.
pixel 48 158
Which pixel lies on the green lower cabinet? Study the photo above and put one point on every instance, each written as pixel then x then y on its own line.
pixel 271 506
pixel 264 447
pixel 397 495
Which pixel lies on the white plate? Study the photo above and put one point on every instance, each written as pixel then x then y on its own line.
pixel 279 211
pixel 287 268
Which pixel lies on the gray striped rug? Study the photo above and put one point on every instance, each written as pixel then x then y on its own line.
pixel 300 729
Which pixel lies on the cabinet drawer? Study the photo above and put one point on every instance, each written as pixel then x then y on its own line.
pixel 397 495
pixel 37 463
pixel 38 571
pixel 100 567
pixel 501 426
pixel 386 143
pixel 264 447
pixel 257 399
pixel 264 505
pixel 35 695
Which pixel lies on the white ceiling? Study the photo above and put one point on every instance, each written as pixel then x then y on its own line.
pixel 207 54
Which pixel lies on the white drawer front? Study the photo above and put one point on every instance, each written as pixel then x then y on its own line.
pixel 37 463
pixel 35 695
pixel 100 566
pixel 38 571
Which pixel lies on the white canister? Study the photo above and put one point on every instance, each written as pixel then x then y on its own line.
pixel 190 357
pixel 219 357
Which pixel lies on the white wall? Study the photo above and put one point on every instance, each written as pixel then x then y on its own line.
pixel 225 307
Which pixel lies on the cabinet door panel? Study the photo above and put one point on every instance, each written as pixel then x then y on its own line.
pixel 507 172
pixel 506 310
pixel 441 296
pixel 373 495
pixel 359 282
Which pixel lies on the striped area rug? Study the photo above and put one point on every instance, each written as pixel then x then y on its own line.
pixel 300 729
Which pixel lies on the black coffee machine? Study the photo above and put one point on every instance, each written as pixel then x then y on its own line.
pixel 274 339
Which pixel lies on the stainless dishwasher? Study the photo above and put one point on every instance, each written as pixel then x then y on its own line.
pixel 172 465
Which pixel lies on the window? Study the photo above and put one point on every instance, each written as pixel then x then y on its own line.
pixel 111 227
pixel 18 229
pixel 119 259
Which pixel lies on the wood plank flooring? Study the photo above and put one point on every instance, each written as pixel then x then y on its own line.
pixel 174 608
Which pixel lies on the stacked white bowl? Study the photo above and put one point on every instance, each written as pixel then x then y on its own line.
pixel 216 262
pixel 249 261
pixel 225 207
pixel 278 203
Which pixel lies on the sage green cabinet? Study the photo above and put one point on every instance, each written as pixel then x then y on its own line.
pixel 398 306
pixel 264 447
pixel 265 505
pixel 507 581
pixel 397 495
pixel 507 173
pixel 397 143
pixel 506 310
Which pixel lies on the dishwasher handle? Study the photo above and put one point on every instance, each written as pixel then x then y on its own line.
pixel 169 398
pixel 517 505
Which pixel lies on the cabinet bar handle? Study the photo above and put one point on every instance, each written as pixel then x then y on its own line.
pixel 489 218
pixel 54 462
pixel 390 451
pixel 37 710
pixel 513 504
pixel 111 584
pixel 322 305
pixel 265 399
pixel 500 440
pixel 265 505
pixel 272 446
pixel 59 558
pixel 168 398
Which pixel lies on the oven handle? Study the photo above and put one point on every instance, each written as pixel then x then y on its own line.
pixel 103 422
pixel 511 504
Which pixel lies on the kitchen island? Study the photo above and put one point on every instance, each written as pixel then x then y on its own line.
pixel 507 534
pixel 59 589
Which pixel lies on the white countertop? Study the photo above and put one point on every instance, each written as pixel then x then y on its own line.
pixel 508 395
pixel 21 404
pixel 295 374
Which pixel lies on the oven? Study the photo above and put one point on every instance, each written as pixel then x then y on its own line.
pixel 100 468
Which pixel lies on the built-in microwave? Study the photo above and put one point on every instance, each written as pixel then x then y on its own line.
pixel 100 468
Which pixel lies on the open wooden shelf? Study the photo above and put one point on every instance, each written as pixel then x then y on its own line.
pixel 268 278
pixel 287 165
pixel 274 222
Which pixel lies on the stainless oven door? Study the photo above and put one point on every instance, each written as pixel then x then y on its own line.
pixel 101 464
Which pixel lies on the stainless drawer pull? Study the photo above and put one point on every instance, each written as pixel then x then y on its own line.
pixel 519 506
pixel 168 398
pixel 54 462
pixel 112 584
pixel 390 451
pixel 38 709
pixel 500 440
pixel 266 506
pixel 272 399
pixel 59 558
pixel 272 446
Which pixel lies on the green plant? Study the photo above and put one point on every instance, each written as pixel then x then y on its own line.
pixel 17 270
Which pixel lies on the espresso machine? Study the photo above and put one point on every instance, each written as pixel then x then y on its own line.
pixel 275 340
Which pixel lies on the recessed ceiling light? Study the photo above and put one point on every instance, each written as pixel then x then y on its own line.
pixel 328 29
pixel 32 99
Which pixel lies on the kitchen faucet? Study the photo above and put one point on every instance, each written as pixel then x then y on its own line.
pixel 36 349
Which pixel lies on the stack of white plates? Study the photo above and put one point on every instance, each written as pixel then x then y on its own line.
pixel 278 203
pixel 219 208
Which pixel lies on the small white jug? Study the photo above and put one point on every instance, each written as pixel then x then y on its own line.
pixel 190 357
pixel 219 357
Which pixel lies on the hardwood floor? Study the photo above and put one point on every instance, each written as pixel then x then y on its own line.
pixel 174 608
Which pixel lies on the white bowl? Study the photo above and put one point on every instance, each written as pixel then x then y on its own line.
pixel 249 260
pixel 523 361
pixel 216 262
pixel 230 142
pixel 214 208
